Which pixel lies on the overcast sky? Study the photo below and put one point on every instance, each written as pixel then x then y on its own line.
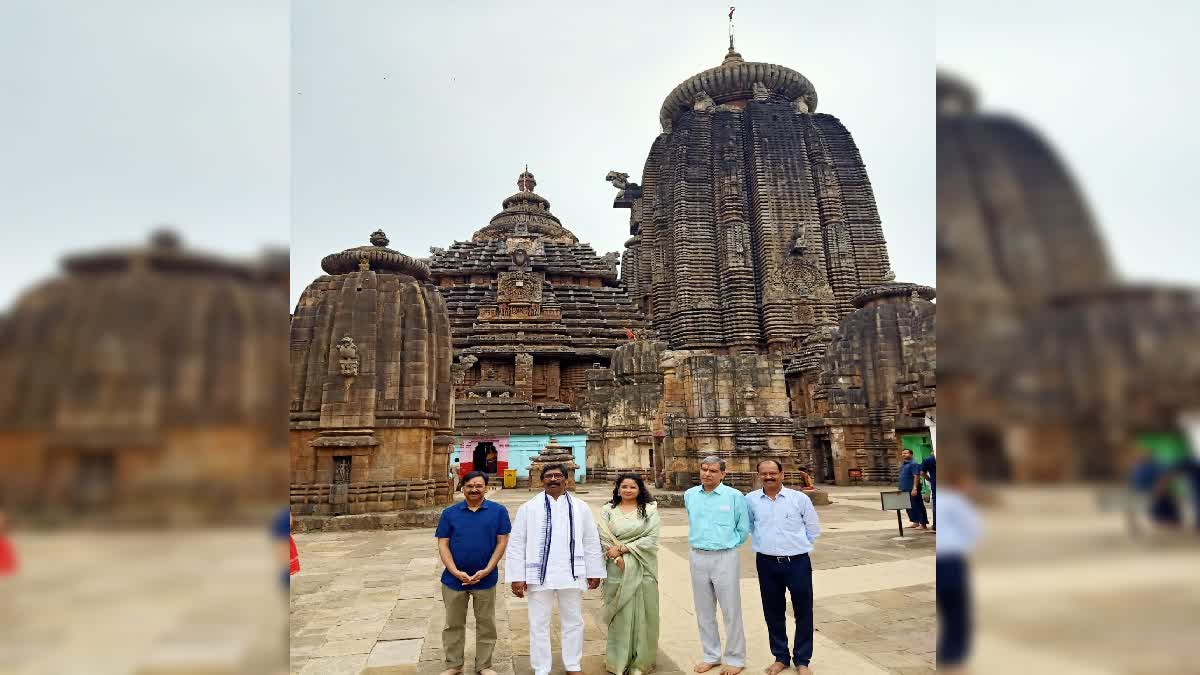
pixel 121 114
pixel 246 123
pixel 418 118
pixel 1112 87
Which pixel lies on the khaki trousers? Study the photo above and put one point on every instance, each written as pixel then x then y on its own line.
pixel 454 634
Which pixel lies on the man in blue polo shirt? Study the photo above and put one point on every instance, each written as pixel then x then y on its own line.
pixel 718 524
pixel 472 535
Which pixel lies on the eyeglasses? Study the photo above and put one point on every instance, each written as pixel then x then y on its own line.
pixel 553 475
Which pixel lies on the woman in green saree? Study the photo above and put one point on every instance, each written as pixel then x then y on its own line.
pixel 629 532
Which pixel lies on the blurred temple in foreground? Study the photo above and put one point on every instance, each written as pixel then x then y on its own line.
pixel 1051 368
pixel 146 384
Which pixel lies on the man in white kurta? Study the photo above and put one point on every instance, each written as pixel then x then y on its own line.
pixel 553 555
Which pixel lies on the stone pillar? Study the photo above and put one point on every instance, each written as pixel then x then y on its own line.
pixel 841 457
pixel 523 376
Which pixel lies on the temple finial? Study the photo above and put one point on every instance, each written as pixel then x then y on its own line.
pixel 731 49
pixel 525 182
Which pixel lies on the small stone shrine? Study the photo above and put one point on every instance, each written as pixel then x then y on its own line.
pixel 553 453
pixel 372 405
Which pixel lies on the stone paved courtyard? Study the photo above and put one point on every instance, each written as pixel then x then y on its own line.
pixel 369 601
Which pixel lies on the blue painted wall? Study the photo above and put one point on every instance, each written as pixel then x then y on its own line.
pixel 522 448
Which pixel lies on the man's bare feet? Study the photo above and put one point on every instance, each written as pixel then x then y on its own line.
pixel 803 670
pixel 732 670
pixel 775 668
pixel 914 525
pixel 487 671
pixel 704 667
pixel 452 671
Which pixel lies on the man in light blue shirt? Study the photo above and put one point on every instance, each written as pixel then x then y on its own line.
pixel 784 524
pixel 718 524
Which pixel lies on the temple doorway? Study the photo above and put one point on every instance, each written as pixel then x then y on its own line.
pixel 339 493
pixel 94 479
pixel 485 458
pixel 823 458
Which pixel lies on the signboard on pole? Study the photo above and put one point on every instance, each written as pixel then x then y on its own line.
pixel 894 500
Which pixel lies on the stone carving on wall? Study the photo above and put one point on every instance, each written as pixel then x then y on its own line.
pixel 801 106
pixel 459 370
pixel 827 182
pixel 347 356
pixel 703 102
pixel 799 242
pixel 618 179
pixel 378 238
pixel 804 314
pixel 532 245
pixel 796 277
pixel 761 92
pixel 612 259
pixel 519 287
pixel 524 360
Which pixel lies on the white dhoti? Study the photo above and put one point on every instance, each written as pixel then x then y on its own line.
pixel 570 615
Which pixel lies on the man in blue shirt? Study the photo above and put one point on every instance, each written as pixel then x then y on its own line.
pixel 718 524
pixel 472 535
pixel 784 524
pixel 910 482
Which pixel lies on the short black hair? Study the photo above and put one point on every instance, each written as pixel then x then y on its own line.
pixel 551 467
pixel 473 474
pixel 777 463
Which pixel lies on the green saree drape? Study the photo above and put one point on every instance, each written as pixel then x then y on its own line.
pixel 631 596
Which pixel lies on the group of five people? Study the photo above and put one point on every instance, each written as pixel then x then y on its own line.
pixel 555 549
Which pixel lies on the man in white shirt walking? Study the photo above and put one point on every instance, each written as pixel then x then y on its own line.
pixel 553 554
pixel 784 525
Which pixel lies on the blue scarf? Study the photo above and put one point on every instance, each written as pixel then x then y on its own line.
pixel 548 533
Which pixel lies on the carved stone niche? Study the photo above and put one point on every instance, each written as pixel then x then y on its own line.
pixel 519 287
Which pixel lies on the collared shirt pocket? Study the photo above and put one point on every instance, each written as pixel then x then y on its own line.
pixel 722 515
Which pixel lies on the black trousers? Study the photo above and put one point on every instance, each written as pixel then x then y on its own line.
pixel 916 509
pixel 777 576
pixel 954 610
